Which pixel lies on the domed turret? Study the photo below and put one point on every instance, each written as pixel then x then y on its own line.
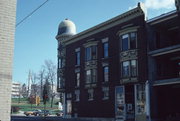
pixel 66 28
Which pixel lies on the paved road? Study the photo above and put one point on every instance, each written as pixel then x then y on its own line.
pixel 35 118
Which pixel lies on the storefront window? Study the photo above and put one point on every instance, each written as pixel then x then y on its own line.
pixel 120 106
pixel 140 99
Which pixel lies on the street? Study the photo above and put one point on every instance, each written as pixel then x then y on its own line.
pixel 35 118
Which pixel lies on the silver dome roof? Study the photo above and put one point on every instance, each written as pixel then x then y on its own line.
pixel 66 27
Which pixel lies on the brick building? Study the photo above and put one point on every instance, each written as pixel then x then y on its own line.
pixel 7 30
pixel 126 68
pixel 101 70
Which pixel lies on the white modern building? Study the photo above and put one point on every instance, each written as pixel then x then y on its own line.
pixel 16 88
pixel 7 30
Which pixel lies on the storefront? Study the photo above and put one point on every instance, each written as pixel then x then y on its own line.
pixel 130 102
pixel 167 101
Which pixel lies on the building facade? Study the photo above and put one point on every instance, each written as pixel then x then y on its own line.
pixel 164 65
pixel 121 68
pixel 101 70
pixel 16 90
pixel 7 30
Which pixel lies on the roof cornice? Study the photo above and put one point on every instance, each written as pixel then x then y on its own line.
pixel 106 25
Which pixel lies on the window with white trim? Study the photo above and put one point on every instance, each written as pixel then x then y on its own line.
pixel 77 95
pixel 129 68
pixel 77 58
pixel 128 41
pixel 105 50
pixel 91 53
pixel 91 76
pixel 106 73
pixel 90 94
pixel 77 79
pixel 105 93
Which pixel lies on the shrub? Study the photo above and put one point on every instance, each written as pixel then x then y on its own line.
pixel 14 109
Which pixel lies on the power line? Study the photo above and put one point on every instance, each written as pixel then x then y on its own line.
pixel 31 13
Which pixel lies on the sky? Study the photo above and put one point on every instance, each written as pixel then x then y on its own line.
pixel 35 37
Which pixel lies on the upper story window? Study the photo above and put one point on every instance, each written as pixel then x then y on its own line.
pixel 59 63
pixel 128 41
pixel 105 49
pixel 90 94
pixel 91 53
pixel 106 73
pixel 105 93
pixel 77 95
pixel 91 76
pixel 77 79
pixel 77 58
pixel 129 68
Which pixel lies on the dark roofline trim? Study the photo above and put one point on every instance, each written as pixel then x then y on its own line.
pixel 162 17
pixel 105 25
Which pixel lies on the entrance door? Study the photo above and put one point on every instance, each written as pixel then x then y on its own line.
pixel 130 108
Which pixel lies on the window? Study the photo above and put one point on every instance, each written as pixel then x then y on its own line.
pixel 106 73
pixel 105 49
pixel 91 76
pixel 77 79
pixel 105 93
pixel 69 106
pixel 78 58
pixel 133 68
pixel 125 69
pixel 129 41
pixel 88 76
pixel 77 95
pixel 132 40
pixel 125 42
pixel 129 68
pixel 88 53
pixel 90 94
pixel 59 63
pixel 91 53
pixel 61 83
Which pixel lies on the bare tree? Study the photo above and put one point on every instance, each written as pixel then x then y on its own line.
pixel 34 86
pixel 24 92
pixel 41 78
pixel 51 76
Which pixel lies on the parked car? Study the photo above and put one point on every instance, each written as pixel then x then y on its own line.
pixel 27 113
pixel 44 113
pixel 33 112
pixel 59 113
pixel 36 112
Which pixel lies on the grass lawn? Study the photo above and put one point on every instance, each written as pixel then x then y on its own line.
pixel 24 105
